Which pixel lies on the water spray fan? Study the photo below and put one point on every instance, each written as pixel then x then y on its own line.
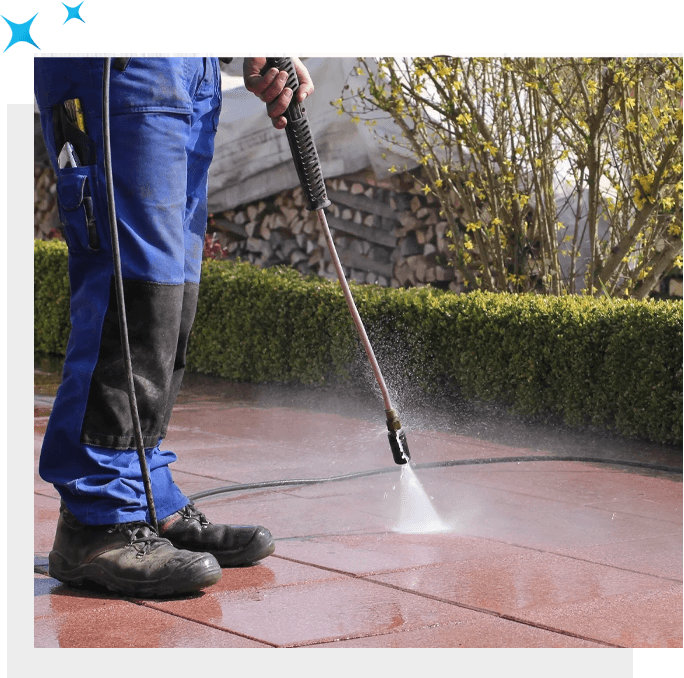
pixel 308 169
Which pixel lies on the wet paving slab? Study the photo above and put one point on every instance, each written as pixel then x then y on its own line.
pixel 535 554
pixel 319 611
pixel 66 619
pixel 481 632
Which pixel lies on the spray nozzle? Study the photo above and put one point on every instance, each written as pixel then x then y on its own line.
pixel 397 438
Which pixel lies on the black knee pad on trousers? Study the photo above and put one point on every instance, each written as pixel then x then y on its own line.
pixel 159 319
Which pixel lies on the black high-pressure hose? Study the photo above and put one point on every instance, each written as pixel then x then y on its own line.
pixel 435 464
pixel 118 282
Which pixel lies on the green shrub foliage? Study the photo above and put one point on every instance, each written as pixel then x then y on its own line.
pixel 611 364
pixel 51 322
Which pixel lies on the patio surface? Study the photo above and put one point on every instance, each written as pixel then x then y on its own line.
pixel 545 554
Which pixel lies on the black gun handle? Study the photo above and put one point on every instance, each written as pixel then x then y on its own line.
pixel 301 141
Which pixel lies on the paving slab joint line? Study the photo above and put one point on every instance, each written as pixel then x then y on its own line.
pixel 45 496
pixel 153 606
pixel 319 567
pixel 472 608
pixel 584 560
pixel 356 636
pixel 494 613
pixel 560 632
pixel 204 475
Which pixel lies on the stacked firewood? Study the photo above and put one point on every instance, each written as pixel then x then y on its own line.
pixel 45 218
pixel 384 233
pixel 423 245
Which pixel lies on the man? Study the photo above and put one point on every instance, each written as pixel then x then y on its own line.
pixel 163 118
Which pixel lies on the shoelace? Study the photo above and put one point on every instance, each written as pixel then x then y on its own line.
pixel 189 512
pixel 141 536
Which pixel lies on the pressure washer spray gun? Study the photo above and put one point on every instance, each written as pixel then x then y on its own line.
pixel 311 179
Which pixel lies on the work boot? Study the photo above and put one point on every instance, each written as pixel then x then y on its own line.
pixel 128 558
pixel 232 545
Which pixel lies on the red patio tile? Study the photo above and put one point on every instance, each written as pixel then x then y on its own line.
pixel 291 513
pixel 599 514
pixel 245 459
pixel 45 515
pixel 660 556
pixel 70 621
pixel 191 483
pixel 485 631
pixel 317 612
pixel 511 580
pixel 54 599
pixel 430 446
pixel 39 485
pixel 301 430
pixel 547 590
pixel 312 441
pixel 604 487
pixel 534 521
pixel 651 618
pixel 366 554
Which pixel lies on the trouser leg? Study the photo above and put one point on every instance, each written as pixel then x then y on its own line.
pixel 160 158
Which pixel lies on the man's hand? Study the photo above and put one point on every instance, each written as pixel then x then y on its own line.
pixel 270 87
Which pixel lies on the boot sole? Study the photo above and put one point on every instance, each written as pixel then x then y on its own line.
pixel 253 553
pixel 172 585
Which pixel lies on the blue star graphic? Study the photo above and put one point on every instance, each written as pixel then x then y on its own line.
pixel 73 13
pixel 20 32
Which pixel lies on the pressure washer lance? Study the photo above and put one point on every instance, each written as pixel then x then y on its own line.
pixel 308 169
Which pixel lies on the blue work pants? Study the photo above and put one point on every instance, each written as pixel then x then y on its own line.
pixel 164 115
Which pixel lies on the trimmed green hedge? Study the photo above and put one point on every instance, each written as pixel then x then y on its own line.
pixel 612 364
pixel 51 322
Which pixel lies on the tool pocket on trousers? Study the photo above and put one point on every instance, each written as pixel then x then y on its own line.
pixel 77 211
pixel 169 79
